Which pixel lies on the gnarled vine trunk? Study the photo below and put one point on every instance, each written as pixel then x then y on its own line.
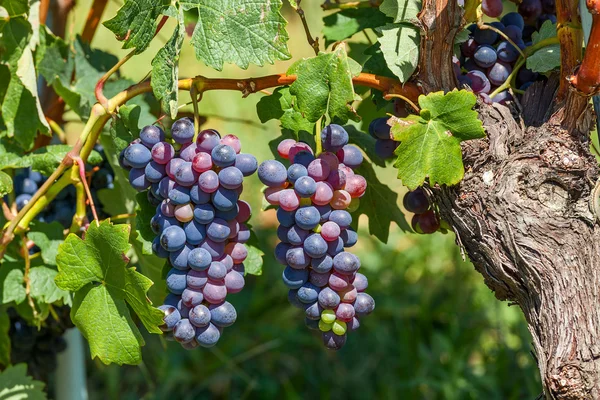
pixel 524 214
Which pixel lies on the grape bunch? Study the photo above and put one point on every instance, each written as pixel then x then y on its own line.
pixel 62 209
pixel 488 58
pixel 38 347
pixel 200 223
pixel 425 219
pixel 314 196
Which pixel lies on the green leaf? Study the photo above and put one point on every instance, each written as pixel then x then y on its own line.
pixel 6 184
pixel 239 32
pixel 165 70
pixel 324 84
pixel 280 105
pixel 46 159
pixel 15 7
pixel 136 22
pixel 144 211
pixel 430 143
pixel 546 31
pixel 344 24
pixel 253 264
pixel 15 384
pixel 112 201
pixel 95 268
pixel 379 204
pixel 125 128
pixel 401 10
pixel 12 285
pixel 44 289
pixel 47 237
pixel 400 48
pixel 54 60
pixel 548 57
pixel 4 338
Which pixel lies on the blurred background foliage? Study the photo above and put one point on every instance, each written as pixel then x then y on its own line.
pixel 437 331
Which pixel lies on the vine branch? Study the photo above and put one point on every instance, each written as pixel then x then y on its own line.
pixel 570 36
pixel 93 20
pixel 314 43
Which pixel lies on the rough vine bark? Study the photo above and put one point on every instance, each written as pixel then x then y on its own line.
pixel 524 214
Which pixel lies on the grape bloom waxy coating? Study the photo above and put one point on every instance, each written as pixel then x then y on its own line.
pixel 313 195
pixel 200 223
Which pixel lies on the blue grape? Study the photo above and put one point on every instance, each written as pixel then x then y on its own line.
pixel 215 249
pixel 479 82
pixel 286 218
pixel 229 214
pixel 151 134
pixel 350 155
pixel 25 185
pixel 243 235
pixel 341 217
pixel 171 318
pixel 176 281
pixel 346 263
pixel 507 52
pixel 308 293
pixel 217 271
pixel 385 148
pixel 103 178
pixel 200 316
pixel 199 259
pixel 231 177
pixel 282 233
pixel 334 137
pixel 172 238
pixel 297 258
pixel 324 212
pixel 513 18
pixel 485 36
pixel 137 179
pixel 335 247
pixel 179 258
pixel 192 297
pixel 315 245
pixel 179 194
pixel 207 140
pixel 22 200
pixel 246 163
pixel 322 265
pixel 198 196
pixel 296 235
pixel 333 341
pixel 224 199
pixel 196 279
pixel 272 173
pixel 304 157
pixel 137 155
pixel 318 279
pixel 188 152
pixel 172 300
pixel 281 252
pixel 296 171
pixel 204 213
pixel 185 174
pixel 364 304
pixel 349 237
pixel 294 278
pixel 208 336
pixel 223 315
pixel 164 187
pixel 218 230
pixel 313 311
pixel 513 32
pixel 499 73
pixel 182 130
pixel 158 249
pixel 223 155
pixel 195 232
pixel 328 298
pixel 305 186
pixel 485 56
pixel 307 217
pixel 379 129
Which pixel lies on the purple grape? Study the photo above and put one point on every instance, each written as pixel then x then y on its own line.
pixel 513 18
pixel 182 130
pixel 499 73
pixel 485 56
pixel 334 137
pixel 485 36
pixel 479 82
pixel 207 140
pixel 492 8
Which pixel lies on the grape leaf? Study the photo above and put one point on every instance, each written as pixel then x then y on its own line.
pixel 44 289
pixel 400 48
pixel 136 22
pixel 379 204
pixel 15 7
pixel 430 143
pixel 12 285
pixel 239 32
pixel 343 24
pixel 324 83
pixel 280 105
pixel 253 264
pixel 95 268
pixel 401 10
pixel 165 70
pixel 54 60
pixel 144 211
pixel 548 57
pixel 47 237
pixel 6 184
pixel 546 31
pixel 16 384
pixel 4 338
pixel 45 159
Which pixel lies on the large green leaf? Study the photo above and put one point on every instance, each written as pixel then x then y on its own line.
pixel 15 384
pixel 45 159
pixel 548 57
pixel 47 237
pixel 324 84
pixel 4 338
pixel 165 70
pixel 401 10
pixel 12 285
pixel 43 288
pixel 239 32
pixel 6 184
pixel 280 105
pixel 136 22
pixel 430 143
pixel 95 268
pixel 344 24
pixel 400 48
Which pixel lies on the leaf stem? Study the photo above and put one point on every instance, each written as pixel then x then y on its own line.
pixel 57 129
pixel 194 95
pixel 314 43
pixel 80 208
pixel 25 254
pixel 399 96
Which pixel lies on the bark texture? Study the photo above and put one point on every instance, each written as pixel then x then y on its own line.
pixel 524 213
